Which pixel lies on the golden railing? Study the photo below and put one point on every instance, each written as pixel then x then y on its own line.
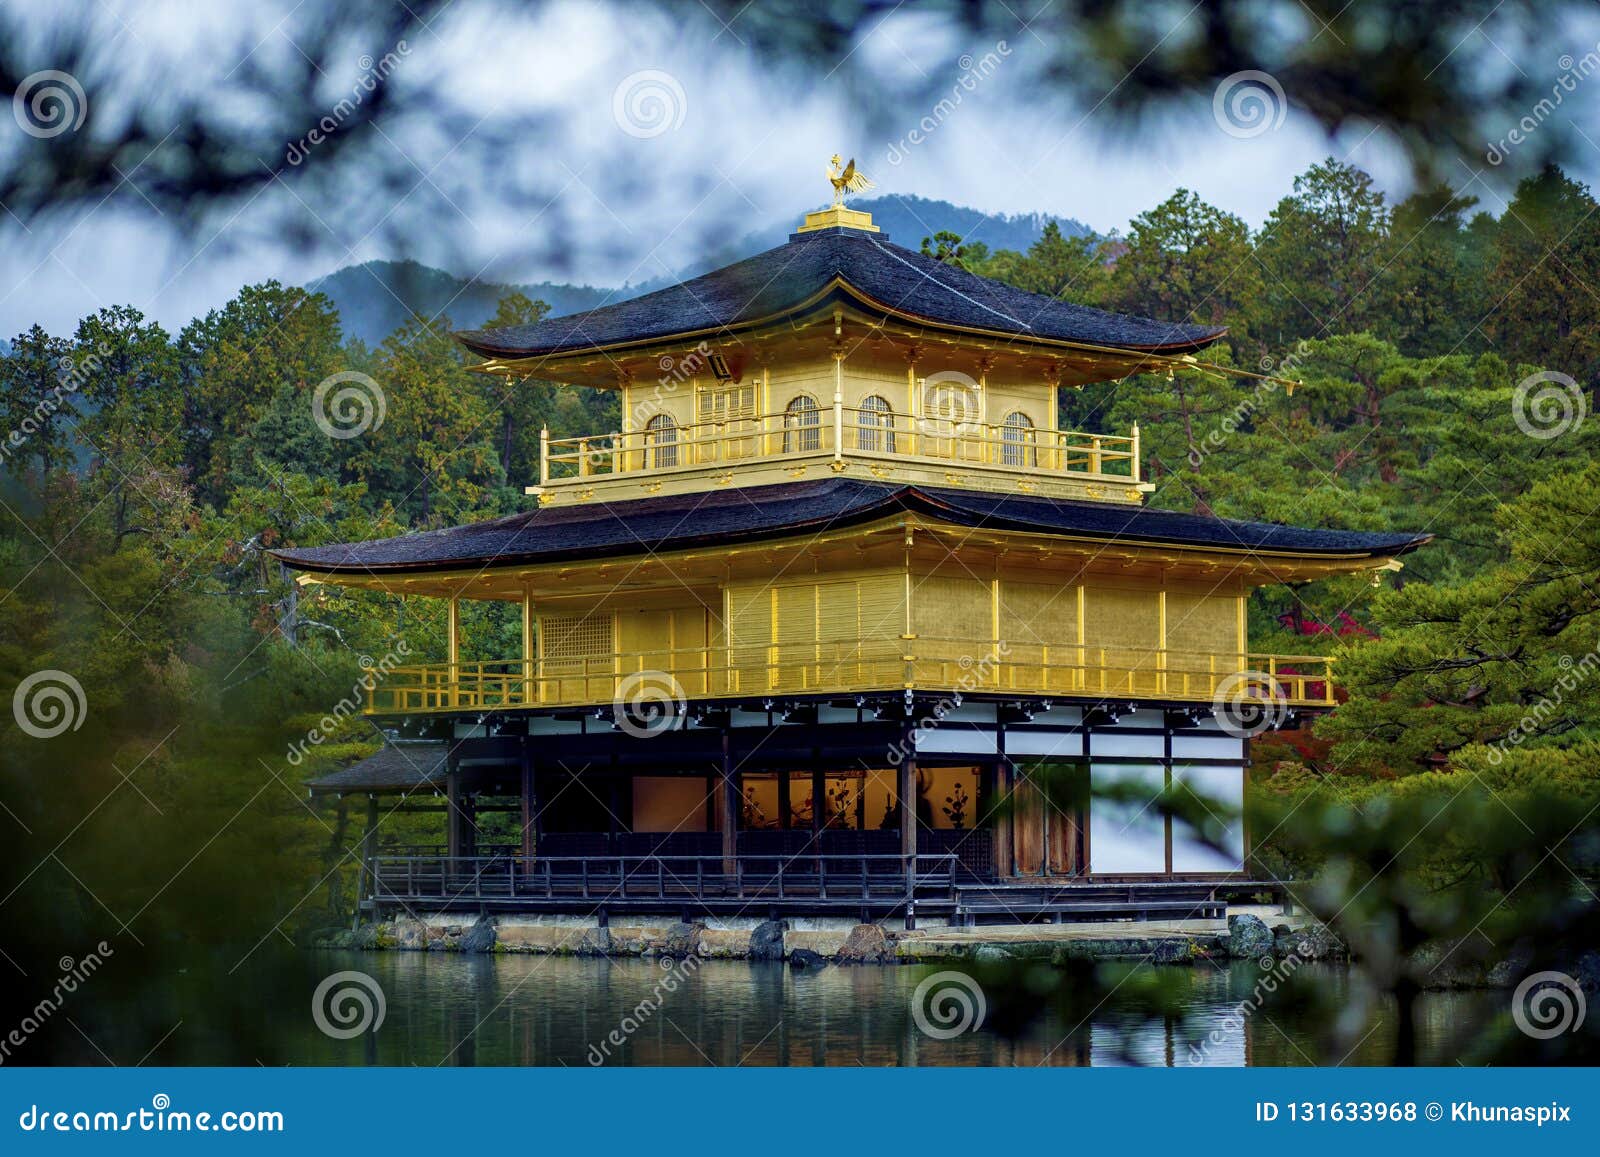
pixel 839 431
pixel 962 666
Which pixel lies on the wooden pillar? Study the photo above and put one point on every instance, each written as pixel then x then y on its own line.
pixel 1004 861
pixel 730 806
pixel 369 849
pixel 452 820
pixel 907 792
pixel 529 689
pixel 819 793
pixel 530 801
pixel 452 648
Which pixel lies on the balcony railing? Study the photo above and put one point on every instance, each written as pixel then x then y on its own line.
pixel 962 666
pixel 839 432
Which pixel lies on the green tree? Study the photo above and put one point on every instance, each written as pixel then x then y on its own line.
pixel 1318 254
pixel 1187 261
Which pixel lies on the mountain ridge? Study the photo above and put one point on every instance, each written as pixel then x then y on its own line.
pixel 376 297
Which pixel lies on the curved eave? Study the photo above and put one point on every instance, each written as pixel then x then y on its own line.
pixel 887 511
pixel 529 360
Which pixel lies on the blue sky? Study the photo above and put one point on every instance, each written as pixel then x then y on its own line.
pixel 738 144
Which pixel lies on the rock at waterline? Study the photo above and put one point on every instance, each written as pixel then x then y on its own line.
pixel 804 958
pixel 1248 936
pixel 766 940
pixel 866 944
pixel 480 937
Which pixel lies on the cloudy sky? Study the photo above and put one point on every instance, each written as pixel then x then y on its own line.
pixel 649 137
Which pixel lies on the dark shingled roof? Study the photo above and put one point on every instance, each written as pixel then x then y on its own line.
pixel 602 529
pixel 397 767
pixel 775 282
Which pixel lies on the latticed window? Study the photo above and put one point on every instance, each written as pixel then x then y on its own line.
pixel 876 430
pixel 660 442
pixel 724 403
pixel 568 641
pixel 802 425
pixel 1017 447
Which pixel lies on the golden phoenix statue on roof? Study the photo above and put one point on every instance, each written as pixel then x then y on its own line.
pixel 846 180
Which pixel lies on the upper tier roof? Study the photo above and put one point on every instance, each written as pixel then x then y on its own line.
pixel 637 526
pixel 897 281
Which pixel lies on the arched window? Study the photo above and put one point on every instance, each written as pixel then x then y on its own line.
pixel 802 425
pixel 1016 441
pixel 660 442
pixel 876 430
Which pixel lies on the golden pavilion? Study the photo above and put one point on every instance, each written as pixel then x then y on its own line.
pixel 805 633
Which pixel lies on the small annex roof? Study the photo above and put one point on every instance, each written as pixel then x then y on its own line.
pixel 723 517
pixel 398 767
pixel 853 263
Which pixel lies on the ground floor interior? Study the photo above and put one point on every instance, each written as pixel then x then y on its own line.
pixel 809 807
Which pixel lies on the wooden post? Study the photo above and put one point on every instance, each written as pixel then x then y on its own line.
pixel 730 807
pixel 452 648
pixel 1004 864
pixel 544 456
pixel 907 791
pixel 453 813
pixel 529 695
pixel 369 849
pixel 819 792
pixel 1135 449
pixel 784 801
pixel 530 804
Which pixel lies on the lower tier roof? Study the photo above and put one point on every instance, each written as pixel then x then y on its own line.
pixel 726 516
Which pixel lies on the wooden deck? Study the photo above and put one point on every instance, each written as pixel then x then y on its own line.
pixel 864 886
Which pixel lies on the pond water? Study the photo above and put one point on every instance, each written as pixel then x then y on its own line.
pixel 537 1010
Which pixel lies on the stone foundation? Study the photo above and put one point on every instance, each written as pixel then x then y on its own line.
pixel 811 943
